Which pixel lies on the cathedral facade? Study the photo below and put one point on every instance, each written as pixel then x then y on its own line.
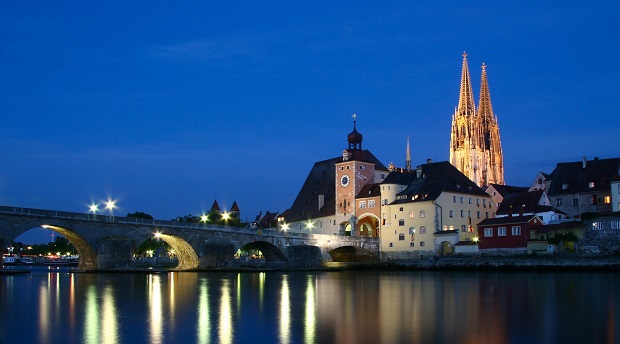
pixel 475 147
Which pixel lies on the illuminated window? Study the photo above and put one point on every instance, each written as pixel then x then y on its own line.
pixel 591 185
pixel 501 231
pixel 516 230
pixel 411 214
pixel 488 232
pixel 411 230
pixel 597 226
pixel 607 199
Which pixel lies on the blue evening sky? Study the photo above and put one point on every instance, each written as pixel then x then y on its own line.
pixel 166 106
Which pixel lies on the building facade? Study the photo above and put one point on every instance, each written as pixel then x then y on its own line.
pixel 508 235
pixel 475 146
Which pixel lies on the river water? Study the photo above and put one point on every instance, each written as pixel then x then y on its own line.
pixel 57 306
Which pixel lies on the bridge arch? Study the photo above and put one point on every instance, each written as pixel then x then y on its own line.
pixel 88 256
pixel 271 252
pixel 188 259
pixel 352 254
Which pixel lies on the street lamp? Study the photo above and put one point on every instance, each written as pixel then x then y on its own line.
pixel 110 205
pixel 93 208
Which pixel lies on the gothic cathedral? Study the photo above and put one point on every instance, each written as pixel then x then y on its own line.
pixel 475 147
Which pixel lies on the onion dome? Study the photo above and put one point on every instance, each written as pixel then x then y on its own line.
pixel 354 138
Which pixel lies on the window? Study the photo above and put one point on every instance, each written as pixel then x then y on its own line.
pixel 564 186
pixel 391 245
pixel 575 201
pixel 371 203
pixel 422 230
pixel 615 224
pixel 384 202
pixel 591 185
pixel 411 230
pixel 454 198
pixel 516 230
pixel 422 244
pixel 462 213
pixel 607 199
pixel 451 213
pixel 488 232
pixel 412 244
pixel 484 202
pixel 597 226
pixel 348 167
pixel 411 214
pixel 558 201
pixel 469 200
pixel 362 167
pixel 341 168
pixel 422 213
pixel 463 228
pixel 401 222
pixel 501 231
pixel 594 200
pixel 477 214
pixel 401 237
pixel 362 204
pixel 469 213
pixel 461 199
pixel 400 209
pixel 478 201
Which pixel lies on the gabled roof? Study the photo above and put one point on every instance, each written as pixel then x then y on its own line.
pixel 215 206
pixel 435 178
pixel 234 207
pixel 508 189
pixel 574 177
pixel 370 190
pixel 509 220
pixel 521 202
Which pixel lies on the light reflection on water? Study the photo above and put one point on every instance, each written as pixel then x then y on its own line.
pixel 322 307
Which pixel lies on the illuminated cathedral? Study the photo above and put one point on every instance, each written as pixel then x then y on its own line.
pixel 475 147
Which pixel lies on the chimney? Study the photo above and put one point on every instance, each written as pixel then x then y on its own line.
pixel 428 161
pixel 583 162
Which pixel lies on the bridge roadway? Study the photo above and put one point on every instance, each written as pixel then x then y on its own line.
pixel 109 242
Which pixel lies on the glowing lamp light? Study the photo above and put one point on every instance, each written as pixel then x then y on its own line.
pixel 157 235
pixel 225 216
pixel 93 208
pixel 110 205
pixel 204 218
pixel 285 226
pixel 309 225
pixel 476 239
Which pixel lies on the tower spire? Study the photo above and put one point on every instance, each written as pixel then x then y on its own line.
pixel 408 157
pixel 493 171
pixel 466 105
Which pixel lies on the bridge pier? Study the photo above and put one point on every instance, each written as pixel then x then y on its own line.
pixel 114 253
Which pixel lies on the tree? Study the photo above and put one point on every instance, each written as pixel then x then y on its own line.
pixel 140 215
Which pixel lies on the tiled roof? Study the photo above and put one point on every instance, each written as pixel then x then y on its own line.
pixel 370 190
pixel 573 177
pixel 435 178
pixel 508 220
pixel 508 189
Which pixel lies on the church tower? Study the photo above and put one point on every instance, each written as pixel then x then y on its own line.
pixel 494 167
pixel 475 147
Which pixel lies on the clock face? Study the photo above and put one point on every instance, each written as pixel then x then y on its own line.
pixel 344 181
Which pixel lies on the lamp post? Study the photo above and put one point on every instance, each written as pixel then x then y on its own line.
pixel 110 205
pixel 94 208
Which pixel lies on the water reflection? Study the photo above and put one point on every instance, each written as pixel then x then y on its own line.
pixel 285 312
pixel 310 307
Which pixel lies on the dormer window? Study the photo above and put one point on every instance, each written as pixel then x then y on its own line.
pixel 564 186
pixel 458 186
pixel 591 185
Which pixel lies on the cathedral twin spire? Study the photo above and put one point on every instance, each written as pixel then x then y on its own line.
pixel 475 147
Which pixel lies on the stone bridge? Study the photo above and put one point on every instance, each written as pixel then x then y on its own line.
pixel 109 242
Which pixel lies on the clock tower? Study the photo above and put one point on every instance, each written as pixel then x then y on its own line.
pixel 352 173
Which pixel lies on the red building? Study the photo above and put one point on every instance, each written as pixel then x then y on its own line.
pixel 507 233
